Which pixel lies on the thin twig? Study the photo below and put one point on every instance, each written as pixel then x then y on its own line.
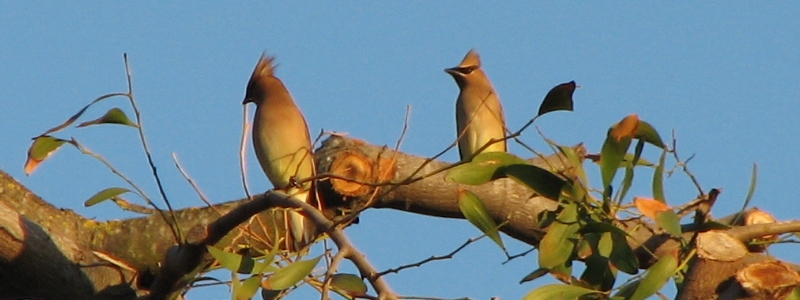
pixel 430 259
pixel 242 147
pixel 405 128
pixel 193 184
pixel 174 228
pixel 684 164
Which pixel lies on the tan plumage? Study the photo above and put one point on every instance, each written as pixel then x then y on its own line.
pixel 282 145
pixel 479 115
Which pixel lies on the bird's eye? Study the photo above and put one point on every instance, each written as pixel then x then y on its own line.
pixel 468 70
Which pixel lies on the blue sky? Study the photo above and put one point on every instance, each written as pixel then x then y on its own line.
pixel 722 75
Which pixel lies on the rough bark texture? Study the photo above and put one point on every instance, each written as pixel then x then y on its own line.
pixel 47 252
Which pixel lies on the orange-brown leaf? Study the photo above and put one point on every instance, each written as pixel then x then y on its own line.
pixel 650 207
pixel 626 128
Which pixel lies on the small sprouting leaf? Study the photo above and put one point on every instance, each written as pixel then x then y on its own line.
pixel 535 274
pixel 670 222
pixel 541 181
pixel 483 168
pixel 473 209
pixel 558 243
pixel 558 98
pixel 105 195
pixel 113 116
pixel 290 275
pixel 351 284
pixel 647 133
pixel 41 149
pixel 657 275
pixel 559 291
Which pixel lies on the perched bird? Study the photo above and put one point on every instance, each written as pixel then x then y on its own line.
pixel 283 146
pixel 479 116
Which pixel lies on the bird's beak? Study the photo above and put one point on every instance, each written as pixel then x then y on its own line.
pixel 451 71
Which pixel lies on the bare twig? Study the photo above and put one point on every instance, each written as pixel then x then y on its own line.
pixel 684 164
pixel 242 147
pixel 175 230
pixel 405 128
pixel 430 259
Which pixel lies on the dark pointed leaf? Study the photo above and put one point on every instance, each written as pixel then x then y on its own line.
pixel 535 274
pixel 351 284
pixel 483 168
pixel 473 209
pixel 113 116
pixel 105 195
pixel 541 181
pixel 558 98
pixel 558 291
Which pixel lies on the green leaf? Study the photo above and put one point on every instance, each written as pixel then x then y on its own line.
pixel 41 149
pixel 112 116
pixel 628 161
pixel 575 161
pixel 598 275
pixel 248 288
pixel 557 245
pixel 535 274
pixel 483 168
pixel 541 181
pixel 290 275
pixel 232 261
pixel 655 278
pixel 351 284
pixel 80 112
pixel 750 191
pixel 558 98
pixel 622 256
pixel 658 179
pixel 473 209
pixel 647 133
pixel 611 156
pixel 558 291
pixel 105 195
pixel 670 222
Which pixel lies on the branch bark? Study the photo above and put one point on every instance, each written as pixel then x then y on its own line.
pixel 47 252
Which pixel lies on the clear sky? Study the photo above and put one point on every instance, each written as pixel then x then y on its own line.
pixel 724 75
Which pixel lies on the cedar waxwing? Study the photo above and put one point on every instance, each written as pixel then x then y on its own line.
pixel 479 116
pixel 283 146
